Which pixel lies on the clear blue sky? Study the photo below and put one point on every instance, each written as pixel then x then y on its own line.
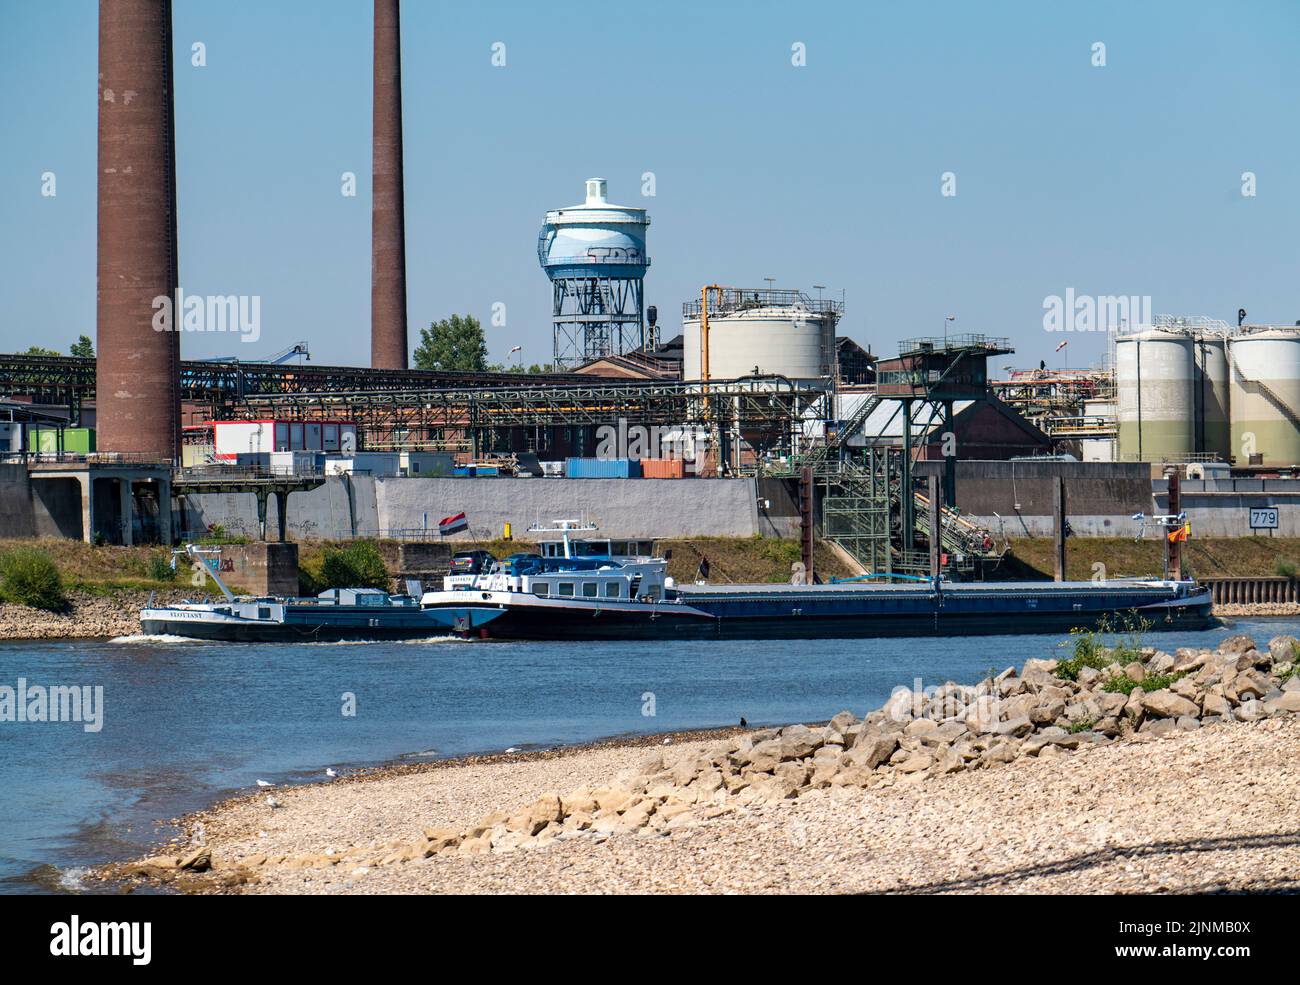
pixel 1116 180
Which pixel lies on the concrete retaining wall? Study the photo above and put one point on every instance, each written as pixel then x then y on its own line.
pixel 1015 498
pixel 369 507
pixel 621 507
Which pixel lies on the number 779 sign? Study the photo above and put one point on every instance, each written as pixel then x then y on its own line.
pixel 1263 518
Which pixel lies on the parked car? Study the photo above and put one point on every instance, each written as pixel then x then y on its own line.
pixel 471 562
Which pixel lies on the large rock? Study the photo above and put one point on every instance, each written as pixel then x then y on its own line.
pixel 1160 663
pixel 1283 649
pixel 916 762
pixel 1133 709
pixel 798 741
pixel 983 714
pixel 1289 702
pixel 1047 710
pixel 1165 704
pixel 1248 684
pixel 899 707
pixel 1214 702
pixel 1237 644
pixel 764 757
pixel 843 721
pixel 873 749
pixel 1185 687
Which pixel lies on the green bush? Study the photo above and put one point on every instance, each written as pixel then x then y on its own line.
pixel 29 577
pixel 1091 651
pixel 1285 567
pixel 1153 682
pixel 159 568
pixel 357 565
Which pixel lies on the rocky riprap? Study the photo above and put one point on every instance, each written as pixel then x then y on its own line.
pixel 1050 709
pixel 89 616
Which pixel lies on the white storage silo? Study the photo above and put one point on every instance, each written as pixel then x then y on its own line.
pixel 1264 369
pixel 1211 396
pixel 1154 376
pixel 772 331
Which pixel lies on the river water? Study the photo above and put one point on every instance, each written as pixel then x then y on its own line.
pixel 184 723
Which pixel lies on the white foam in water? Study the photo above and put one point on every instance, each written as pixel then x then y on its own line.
pixel 70 879
pixel 153 638
pixel 427 639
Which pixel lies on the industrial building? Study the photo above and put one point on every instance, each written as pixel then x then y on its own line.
pixel 815 434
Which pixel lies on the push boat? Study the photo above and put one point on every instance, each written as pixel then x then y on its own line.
pixel 332 616
pixel 587 590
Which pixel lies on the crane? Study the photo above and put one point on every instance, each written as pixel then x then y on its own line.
pixel 275 359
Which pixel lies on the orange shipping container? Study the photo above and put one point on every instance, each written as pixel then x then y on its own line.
pixel 663 468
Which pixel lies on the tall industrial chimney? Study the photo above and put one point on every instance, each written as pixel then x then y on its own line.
pixel 137 385
pixel 388 348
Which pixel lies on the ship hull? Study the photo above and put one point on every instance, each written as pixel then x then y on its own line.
pixel 830 614
pixel 309 626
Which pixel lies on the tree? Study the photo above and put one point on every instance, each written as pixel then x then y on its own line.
pixel 455 343
pixel 38 350
pixel 83 348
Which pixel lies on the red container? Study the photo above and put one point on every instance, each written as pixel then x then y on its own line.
pixel 663 468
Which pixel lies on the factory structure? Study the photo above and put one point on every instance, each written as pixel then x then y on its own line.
pixel 754 414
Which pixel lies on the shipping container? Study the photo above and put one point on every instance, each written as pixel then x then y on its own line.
pixel 663 468
pixel 602 468
pixel 374 463
pixel 429 463
pixel 297 462
pixel 75 441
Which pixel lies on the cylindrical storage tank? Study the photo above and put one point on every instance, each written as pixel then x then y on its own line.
pixel 1154 374
pixel 774 340
pixel 1211 398
pixel 1265 397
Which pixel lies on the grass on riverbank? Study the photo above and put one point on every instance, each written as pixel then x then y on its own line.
pixel 106 569
pixel 1254 557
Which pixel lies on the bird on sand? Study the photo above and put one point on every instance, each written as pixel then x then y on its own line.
pixel 330 771
pixel 272 802
pixel 743 723
pixel 264 783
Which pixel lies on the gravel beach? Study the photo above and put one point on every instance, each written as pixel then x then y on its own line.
pixel 1122 769
pixel 1205 811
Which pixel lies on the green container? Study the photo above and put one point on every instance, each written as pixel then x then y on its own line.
pixel 76 441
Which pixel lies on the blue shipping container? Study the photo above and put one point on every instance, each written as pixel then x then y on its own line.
pixel 603 468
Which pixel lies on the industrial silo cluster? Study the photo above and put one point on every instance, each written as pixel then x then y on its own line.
pixel 1195 388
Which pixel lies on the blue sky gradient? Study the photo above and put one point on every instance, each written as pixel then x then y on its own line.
pixel 1117 180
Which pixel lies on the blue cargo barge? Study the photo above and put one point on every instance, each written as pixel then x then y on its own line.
pixel 580 597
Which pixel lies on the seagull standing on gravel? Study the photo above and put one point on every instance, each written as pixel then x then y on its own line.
pixel 264 783
pixel 512 749
pixel 271 802
pixel 330 771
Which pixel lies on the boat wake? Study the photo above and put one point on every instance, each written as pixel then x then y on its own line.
pixel 416 642
pixel 154 638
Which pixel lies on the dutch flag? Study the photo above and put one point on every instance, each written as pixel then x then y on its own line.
pixel 450 524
